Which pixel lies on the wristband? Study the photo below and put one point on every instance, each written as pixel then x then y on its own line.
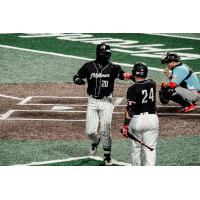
pixel 127 121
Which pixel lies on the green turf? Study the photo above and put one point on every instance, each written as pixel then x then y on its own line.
pixel 28 67
pixel 179 151
pixel 52 44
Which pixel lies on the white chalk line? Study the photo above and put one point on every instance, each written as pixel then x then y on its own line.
pixel 118 101
pixel 73 159
pixel 27 99
pixel 64 104
pixel 7 115
pixel 175 36
pixel 58 111
pixel 69 56
pixel 11 97
pixel 84 105
pixel 39 119
pixel 58 97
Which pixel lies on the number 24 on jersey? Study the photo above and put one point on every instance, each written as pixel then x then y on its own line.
pixel 147 96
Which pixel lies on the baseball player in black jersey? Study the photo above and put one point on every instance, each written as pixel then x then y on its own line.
pixel 141 121
pixel 100 75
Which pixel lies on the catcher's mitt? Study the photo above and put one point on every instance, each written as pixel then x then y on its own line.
pixel 163 94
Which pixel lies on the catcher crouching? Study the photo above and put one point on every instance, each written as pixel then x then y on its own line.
pixel 183 87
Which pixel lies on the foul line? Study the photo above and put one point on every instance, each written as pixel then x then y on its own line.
pixel 11 97
pixel 69 56
pixel 73 159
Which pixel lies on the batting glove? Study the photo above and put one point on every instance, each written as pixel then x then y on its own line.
pixel 127 76
pixel 124 131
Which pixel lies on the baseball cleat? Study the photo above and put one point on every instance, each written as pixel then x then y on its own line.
pixel 190 108
pixel 93 148
pixel 108 161
pixel 187 109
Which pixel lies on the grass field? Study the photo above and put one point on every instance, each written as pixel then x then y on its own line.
pixel 47 58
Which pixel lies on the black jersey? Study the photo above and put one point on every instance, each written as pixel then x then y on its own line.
pixel 100 78
pixel 141 97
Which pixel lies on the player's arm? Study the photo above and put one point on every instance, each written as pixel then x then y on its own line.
pixel 168 73
pixel 81 74
pixel 128 111
pixel 127 118
pixel 177 78
pixel 122 75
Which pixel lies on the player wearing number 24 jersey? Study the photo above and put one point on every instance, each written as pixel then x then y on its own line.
pixel 141 121
pixel 142 94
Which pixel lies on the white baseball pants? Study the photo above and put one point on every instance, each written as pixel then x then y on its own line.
pixel 99 111
pixel 144 127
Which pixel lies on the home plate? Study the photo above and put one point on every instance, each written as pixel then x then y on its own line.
pixel 62 108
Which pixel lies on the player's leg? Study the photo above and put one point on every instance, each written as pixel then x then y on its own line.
pixel 135 153
pixel 150 138
pixel 135 128
pixel 105 115
pixel 92 122
pixel 171 94
pixel 191 95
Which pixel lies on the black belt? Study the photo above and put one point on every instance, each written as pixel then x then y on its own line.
pixel 98 97
pixel 142 113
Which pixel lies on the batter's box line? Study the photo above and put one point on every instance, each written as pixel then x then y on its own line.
pixel 25 101
pixel 51 120
pixel 29 98
pixel 7 115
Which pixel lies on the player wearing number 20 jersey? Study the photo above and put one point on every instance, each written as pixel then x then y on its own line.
pixel 100 75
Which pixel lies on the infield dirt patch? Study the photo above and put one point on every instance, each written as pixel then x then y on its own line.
pixel 32 125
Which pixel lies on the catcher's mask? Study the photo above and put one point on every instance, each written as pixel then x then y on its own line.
pixel 169 57
pixel 140 70
pixel 103 52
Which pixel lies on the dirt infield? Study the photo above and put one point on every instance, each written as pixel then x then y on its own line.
pixel 36 118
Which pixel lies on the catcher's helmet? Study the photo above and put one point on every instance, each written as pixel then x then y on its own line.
pixel 169 57
pixel 140 69
pixel 103 52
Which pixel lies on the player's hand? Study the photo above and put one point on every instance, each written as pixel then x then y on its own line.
pixel 127 76
pixel 163 85
pixel 79 81
pixel 168 73
pixel 124 131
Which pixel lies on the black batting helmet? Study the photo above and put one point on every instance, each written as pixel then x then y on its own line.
pixel 169 57
pixel 140 69
pixel 103 52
